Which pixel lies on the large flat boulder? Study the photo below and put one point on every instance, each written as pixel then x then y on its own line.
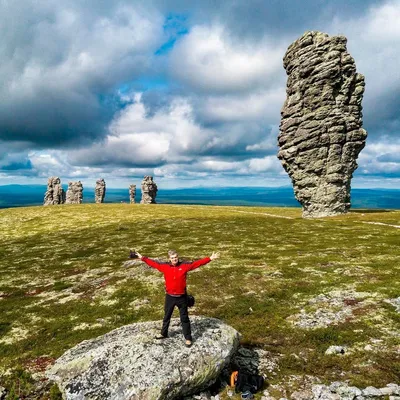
pixel 129 363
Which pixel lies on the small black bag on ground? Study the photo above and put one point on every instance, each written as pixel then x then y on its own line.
pixel 190 300
pixel 248 382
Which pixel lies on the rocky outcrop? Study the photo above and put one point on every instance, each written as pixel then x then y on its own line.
pixel 129 363
pixel 343 391
pixel 100 191
pixel 332 308
pixel 132 193
pixel 395 302
pixel 74 193
pixel 55 194
pixel 149 190
pixel 320 132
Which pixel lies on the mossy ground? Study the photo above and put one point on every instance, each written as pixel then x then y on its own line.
pixel 63 280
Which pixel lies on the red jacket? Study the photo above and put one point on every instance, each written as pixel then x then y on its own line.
pixel 175 276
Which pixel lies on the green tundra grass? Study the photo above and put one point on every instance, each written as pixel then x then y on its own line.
pixel 64 278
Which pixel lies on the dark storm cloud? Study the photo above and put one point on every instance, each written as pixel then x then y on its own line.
pixel 54 120
pixel 17 166
pixel 62 62
pixel 257 18
pixel 381 114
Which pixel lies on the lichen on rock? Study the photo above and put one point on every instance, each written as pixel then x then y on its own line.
pixel 129 363
pixel 321 130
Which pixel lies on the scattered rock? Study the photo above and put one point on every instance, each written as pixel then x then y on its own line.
pixel 129 363
pixel 139 303
pixel 394 387
pixel 345 391
pixel 200 396
pixel 321 318
pixel 74 193
pixel 149 191
pixel 336 350
pixel 395 303
pixel 132 193
pixel 342 391
pixel 331 308
pixel 100 191
pixel 267 396
pixel 268 362
pixel 55 194
pixel 321 131
pixel 371 391
pixel 3 392
pixel 302 395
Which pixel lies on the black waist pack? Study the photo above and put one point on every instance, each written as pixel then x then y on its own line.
pixel 248 382
pixel 190 300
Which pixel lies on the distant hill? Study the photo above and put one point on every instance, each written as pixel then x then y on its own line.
pixel 31 195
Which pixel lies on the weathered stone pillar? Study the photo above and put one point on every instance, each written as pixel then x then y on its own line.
pixel 321 131
pixel 55 194
pixel 132 193
pixel 100 191
pixel 74 193
pixel 149 191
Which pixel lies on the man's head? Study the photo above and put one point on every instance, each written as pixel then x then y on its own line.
pixel 173 257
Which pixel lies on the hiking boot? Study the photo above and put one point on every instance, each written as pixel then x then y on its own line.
pixel 188 343
pixel 160 337
pixel 247 395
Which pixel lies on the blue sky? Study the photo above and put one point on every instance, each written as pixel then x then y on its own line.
pixel 189 92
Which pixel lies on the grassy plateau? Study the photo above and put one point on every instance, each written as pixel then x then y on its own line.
pixel 64 279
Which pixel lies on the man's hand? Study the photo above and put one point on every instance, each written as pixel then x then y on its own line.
pixel 134 254
pixel 214 255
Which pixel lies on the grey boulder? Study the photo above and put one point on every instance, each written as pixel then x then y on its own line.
pixel 129 363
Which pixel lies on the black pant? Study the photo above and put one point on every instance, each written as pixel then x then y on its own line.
pixel 181 303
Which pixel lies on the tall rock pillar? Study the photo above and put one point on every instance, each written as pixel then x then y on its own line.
pixel 132 193
pixel 55 194
pixel 149 190
pixel 74 193
pixel 321 130
pixel 100 191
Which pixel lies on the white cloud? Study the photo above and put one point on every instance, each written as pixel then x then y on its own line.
pixel 269 163
pixel 207 59
pixel 380 158
pixel 69 48
pixel 171 135
pixel 373 41
pixel 258 105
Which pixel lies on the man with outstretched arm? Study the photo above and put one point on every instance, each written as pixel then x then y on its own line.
pixel 175 287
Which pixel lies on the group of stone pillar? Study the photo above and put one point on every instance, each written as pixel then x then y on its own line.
pixel 55 194
pixel 149 191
